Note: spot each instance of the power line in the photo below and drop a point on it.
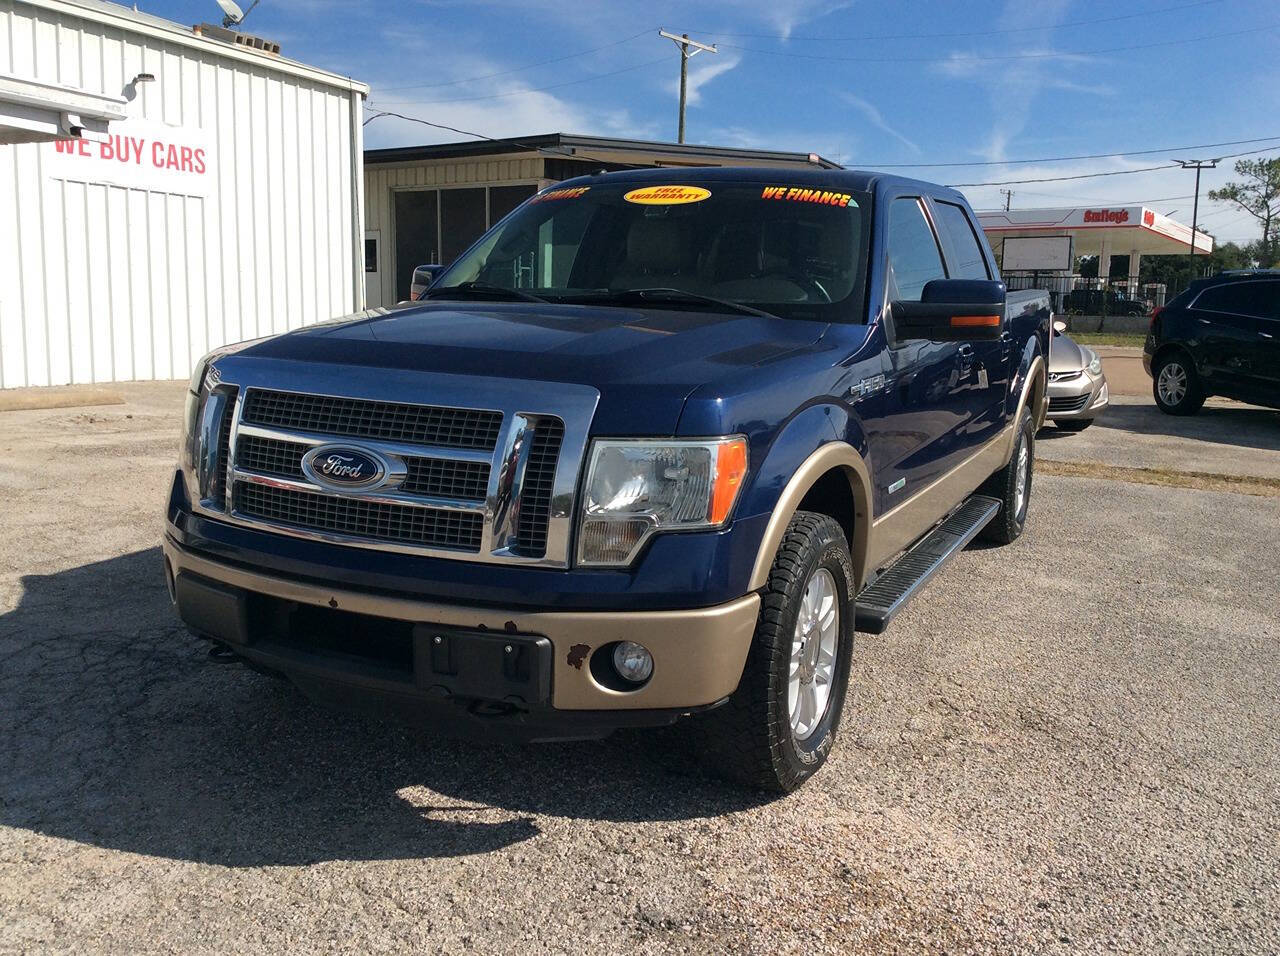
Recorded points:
(537, 89)
(1063, 159)
(517, 69)
(1113, 172)
(1000, 57)
(961, 36)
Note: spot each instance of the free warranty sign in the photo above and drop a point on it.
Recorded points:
(667, 195)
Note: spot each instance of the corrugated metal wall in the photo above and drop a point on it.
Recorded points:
(380, 182)
(102, 282)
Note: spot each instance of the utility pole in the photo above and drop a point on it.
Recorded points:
(683, 42)
(1197, 165)
(1008, 198)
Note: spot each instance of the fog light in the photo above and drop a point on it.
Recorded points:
(632, 662)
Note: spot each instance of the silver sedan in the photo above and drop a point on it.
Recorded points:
(1077, 387)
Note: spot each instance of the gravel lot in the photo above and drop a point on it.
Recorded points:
(1069, 743)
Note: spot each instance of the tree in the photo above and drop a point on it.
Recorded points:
(1258, 195)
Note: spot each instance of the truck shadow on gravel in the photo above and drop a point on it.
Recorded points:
(117, 731)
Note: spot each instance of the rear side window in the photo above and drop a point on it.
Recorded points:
(914, 257)
(969, 262)
(1255, 299)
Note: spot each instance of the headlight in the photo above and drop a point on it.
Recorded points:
(636, 488)
(1095, 362)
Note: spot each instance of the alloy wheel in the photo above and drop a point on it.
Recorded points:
(813, 654)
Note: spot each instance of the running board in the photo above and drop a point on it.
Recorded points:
(878, 603)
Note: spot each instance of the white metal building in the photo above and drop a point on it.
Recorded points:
(199, 193)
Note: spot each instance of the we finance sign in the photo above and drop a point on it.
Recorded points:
(137, 155)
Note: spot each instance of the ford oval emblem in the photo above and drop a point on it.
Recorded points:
(344, 467)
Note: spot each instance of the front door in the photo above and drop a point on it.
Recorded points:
(915, 442)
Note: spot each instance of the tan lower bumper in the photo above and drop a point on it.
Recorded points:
(698, 655)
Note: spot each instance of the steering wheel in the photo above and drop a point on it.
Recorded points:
(808, 283)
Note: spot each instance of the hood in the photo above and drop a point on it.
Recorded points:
(1065, 355)
(642, 361)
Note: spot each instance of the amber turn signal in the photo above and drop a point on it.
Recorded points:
(731, 469)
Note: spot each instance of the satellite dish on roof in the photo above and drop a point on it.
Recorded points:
(234, 16)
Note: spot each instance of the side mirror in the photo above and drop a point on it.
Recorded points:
(423, 278)
(1059, 327)
(953, 310)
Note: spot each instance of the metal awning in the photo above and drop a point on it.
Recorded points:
(1118, 230)
(36, 112)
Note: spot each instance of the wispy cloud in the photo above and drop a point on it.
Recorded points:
(703, 69)
(874, 116)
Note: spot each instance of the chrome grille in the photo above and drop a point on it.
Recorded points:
(437, 477)
(375, 520)
(359, 418)
(218, 484)
(539, 478)
(491, 484)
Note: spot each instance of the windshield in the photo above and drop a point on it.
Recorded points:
(795, 252)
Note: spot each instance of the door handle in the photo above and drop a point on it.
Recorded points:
(1266, 335)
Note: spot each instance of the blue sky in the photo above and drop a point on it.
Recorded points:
(866, 84)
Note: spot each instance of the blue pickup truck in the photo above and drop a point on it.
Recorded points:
(654, 448)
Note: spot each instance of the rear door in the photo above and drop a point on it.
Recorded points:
(1230, 319)
(916, 440)
(983, 366)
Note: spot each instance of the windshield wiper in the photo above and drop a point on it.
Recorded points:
(672, 295)
(481, 288)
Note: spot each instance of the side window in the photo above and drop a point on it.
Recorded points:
(1240, 298)
(954, 224)
(913, 250)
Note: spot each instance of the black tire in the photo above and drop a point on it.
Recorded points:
(1169, 399)
(749, 739)
(1006, 527)
(1074, 424)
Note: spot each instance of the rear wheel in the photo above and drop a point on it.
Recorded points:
(1176, 386)
(1012, 485)
(1074, 424)
(778, 727)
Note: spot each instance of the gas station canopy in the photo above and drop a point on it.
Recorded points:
(1114, 230)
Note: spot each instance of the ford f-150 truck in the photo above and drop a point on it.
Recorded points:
(654, 448)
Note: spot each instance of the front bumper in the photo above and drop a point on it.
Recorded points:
(1082, 397)
(698, 654)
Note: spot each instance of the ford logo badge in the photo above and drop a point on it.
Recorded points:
(344, 467)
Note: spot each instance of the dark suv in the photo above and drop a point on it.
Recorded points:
(1219, 337)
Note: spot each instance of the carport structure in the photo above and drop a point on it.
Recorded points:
(1099, 231)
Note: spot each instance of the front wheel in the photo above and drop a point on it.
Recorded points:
(1012, 485)
(779, 726)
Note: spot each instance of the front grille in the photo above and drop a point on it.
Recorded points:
(360, 418)
(404, 524)
(218, 482)
(270, 457)
(437, 477)
(1065, 376)
(1072, 404)
(539, 479)
(468, 480)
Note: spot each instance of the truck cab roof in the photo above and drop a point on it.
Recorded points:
(855, 180)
